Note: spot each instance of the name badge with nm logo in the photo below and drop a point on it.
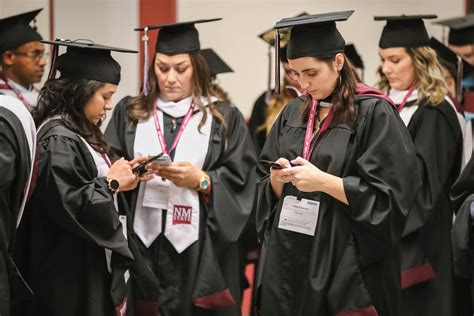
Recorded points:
(182, 214)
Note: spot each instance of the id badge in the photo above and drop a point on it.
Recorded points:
(299, 216)
(157, 193)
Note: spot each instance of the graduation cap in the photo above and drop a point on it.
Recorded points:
(173, 39)
(404, 31)
(16, 30)
(312, 35)
(461, 30)
(216, 64)
(86, 59)
(351, 53)
(457, 67)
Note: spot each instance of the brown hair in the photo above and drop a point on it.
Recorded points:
(344, 96)
(429, 77)
(141, 107)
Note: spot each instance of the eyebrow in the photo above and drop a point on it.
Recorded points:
(309, 69)
(178, 64)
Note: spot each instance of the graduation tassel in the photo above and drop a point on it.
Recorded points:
(54, 56)
(277, 62)
(268, 95)
(145, 61)
(459, 78)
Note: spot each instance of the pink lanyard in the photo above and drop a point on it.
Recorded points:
(310, 126)
(161, 137)
(8, 86)
(405, 99)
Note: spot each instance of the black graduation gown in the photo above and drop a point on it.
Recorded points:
(462, 196)
(15, 164)
(427, 269)
(351, 265)
(72, 219)
(199, 280)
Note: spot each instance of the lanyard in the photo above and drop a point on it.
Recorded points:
(405, 99)
(161, 137)
(18, 94)
(310, 126)
(107, 160)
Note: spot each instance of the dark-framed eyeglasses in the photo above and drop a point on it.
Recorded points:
(35, 55)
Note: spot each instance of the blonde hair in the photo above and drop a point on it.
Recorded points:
(430, 82)
(275, 107)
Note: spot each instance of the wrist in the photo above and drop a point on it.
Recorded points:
(204, 183)
(112, 185)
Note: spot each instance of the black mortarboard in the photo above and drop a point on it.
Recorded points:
(87, 60)
(314, 35)
(461, 30)
(16, 30)
(215, 63)
(177, 38)
(351, 53)
(404, 31)
(173, 39)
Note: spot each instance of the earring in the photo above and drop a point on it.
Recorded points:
(340, 79)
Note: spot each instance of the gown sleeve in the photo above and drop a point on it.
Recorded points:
(79, 202)
(384, 186)
(435, 164)
(232, 180)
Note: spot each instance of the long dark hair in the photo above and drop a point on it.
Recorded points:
(344, 96)
(141, 107)
(67, 98)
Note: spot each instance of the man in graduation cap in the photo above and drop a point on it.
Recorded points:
(23, 57)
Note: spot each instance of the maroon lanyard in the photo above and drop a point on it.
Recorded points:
(405, 99)
(106, 159)
(310, 126)
(8, 86)
(161, 137)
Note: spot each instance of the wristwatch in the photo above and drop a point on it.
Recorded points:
(113, 185)
(204, 183)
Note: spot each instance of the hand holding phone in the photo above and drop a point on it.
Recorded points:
(271, 164)
(141, 168)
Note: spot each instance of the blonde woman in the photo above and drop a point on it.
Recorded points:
(412, 77)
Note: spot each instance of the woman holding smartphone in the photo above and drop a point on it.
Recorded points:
(79, 255)
(331, 219)
(189, 218)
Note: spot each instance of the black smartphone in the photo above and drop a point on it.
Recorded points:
(141, 168)
(271, 164)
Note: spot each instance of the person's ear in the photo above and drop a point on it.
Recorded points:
(8, 58)
(339, 61)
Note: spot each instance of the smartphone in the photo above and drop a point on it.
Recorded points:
(271, 164)
(141, 168)
(163, 160)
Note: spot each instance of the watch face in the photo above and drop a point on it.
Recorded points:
(114, 184)
(204, 184)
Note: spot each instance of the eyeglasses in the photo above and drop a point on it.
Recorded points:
(35, 55)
